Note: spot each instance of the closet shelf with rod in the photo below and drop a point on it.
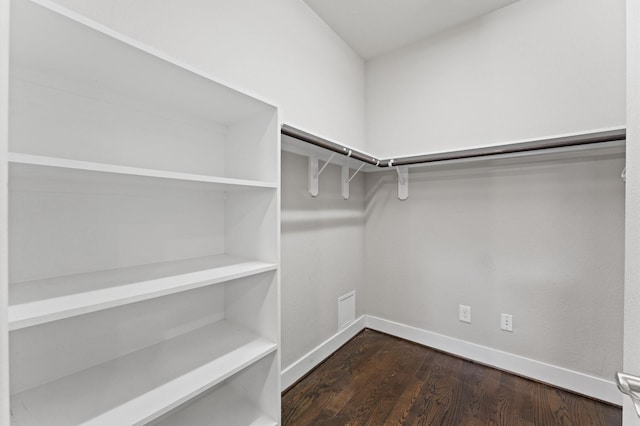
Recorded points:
(611, 138)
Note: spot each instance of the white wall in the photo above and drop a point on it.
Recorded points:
(534, 69)
(541, 240)
(322, 255)
(278, 49)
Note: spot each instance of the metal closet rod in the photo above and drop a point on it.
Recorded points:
(561, 142)
(331, 146)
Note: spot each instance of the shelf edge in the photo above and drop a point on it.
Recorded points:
(88, 166)
(20, 318)
(140, 415)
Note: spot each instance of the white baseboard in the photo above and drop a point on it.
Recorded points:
(585, 384)
(298, 369)
(575, 381)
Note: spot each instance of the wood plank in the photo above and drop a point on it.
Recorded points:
(377, 379)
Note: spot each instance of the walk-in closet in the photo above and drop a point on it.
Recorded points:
(303, 212)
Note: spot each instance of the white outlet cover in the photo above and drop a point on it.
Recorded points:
(506, 322)
(465, 313)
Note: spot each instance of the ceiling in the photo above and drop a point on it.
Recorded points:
(375, 27)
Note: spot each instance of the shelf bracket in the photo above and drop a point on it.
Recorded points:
(313, 176)
(403, 182)
(354, 175)
(345, 181)
(324, 166)
(624, 174)
(314, 173)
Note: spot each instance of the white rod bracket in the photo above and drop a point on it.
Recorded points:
(403, 182)
(345, 181)
(354, 175)
(314, 173)
(324, 166)
(624, 174)
(313, 176)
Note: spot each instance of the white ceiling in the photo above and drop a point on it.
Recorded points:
(375, 27)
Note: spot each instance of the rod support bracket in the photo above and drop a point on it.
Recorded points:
(345, 181)
(314, 173)
(403, 182)
(313, 176)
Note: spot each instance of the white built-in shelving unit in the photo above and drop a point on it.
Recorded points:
(143, 247)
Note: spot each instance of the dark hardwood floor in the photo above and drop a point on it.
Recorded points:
(377, 379)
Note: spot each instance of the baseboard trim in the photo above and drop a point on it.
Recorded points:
(591, 386)
(308, 362)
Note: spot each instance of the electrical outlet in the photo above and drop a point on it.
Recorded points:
(506, 322)
(465, 313)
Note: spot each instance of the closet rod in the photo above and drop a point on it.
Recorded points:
(331, 146)
(560, 142)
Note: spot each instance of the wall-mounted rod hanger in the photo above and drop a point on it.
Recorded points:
(400, 177)
(325, 164)
(401, 163)
(354, 175)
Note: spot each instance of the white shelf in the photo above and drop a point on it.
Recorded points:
(148, 160)
(143, 385)
(53, 168)
(41, 301)
(223, 407)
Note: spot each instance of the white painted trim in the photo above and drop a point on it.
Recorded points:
(594, 387)
(116, 169)
(298, 369)
(4, 279)
(575, 381)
